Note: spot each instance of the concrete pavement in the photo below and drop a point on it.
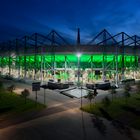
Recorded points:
(64, 121)
(67, 125)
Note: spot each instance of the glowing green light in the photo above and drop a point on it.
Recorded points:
(85, 60)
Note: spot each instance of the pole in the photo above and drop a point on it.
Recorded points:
(81, 98)
(135, 55)
(44, 97)
(35, 57)
(78, 75)
(2, 65)
(44, 70)
(123, 66)
(92, 67)
(41, 69)
(116, 65)
(53, 55)
(65, 68)
(25, 52)
(104, 55)
(18, 66)
(78, 71)
(36, 97)
(9, 58)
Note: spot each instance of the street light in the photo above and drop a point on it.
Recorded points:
(78, 83)
(78, 56)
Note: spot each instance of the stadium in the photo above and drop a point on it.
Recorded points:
(40, 57)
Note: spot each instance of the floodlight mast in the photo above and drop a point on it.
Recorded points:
(78, 66)
(78, 56)
(78, 74)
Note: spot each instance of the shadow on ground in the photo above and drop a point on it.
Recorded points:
(119, 126)
(98, 123)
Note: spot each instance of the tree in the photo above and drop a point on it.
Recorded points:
(95, 92)
(127, 89)
(25, 93)
(90, 96)
(113, 92)
(11, 88)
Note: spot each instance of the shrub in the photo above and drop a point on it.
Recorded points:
(25, 93)
(11, 88)
(90, 96)
(127, 90)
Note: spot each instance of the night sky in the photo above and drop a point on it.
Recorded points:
(23, 17)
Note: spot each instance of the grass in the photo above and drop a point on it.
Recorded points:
(13, 104)
(116, 110)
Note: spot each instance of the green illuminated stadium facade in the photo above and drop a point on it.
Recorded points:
(106, 59)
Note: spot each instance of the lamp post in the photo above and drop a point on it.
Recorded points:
(78, 82)
(78, 56)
